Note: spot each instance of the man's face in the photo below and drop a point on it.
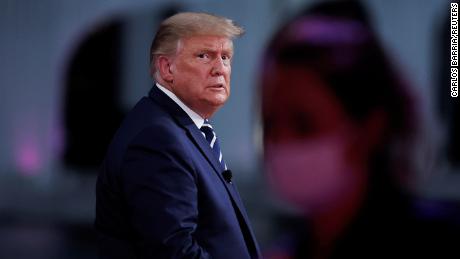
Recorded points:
(201, 72)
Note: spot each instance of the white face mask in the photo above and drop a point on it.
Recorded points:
(310, 174)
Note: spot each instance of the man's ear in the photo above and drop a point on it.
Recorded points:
(164, 68)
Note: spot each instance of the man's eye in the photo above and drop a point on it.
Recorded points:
(225, 57)
(202, 55)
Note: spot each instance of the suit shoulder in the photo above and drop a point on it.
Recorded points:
(158, 134)
(147, 117)
(147, 125)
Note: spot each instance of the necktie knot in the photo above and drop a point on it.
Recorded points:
(210, 135)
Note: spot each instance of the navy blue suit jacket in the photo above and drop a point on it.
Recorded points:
(161, 194)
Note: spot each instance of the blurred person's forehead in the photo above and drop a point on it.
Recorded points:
(298, 92)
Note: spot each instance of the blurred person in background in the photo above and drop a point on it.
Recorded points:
(339, 126)
(164, 190)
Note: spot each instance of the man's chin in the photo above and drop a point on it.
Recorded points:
(217, 100)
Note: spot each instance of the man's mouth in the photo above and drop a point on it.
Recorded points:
(217, 86)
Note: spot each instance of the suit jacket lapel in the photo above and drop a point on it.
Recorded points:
(203, 145)
(195, 134)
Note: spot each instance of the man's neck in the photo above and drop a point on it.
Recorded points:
(203, 113)
(196, 118)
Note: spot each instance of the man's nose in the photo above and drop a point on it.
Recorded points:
(218, 67)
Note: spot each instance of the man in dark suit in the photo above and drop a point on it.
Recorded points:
(164, 189)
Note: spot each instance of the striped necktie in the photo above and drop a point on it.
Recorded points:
(211, 137)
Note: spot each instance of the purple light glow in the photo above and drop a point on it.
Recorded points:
(323, 30)
(27, 155)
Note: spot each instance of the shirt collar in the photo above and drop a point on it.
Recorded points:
(197, 119)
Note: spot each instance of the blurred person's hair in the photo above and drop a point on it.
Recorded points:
(335, 41)
(186, 24)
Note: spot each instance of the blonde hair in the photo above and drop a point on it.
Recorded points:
(188, 24)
